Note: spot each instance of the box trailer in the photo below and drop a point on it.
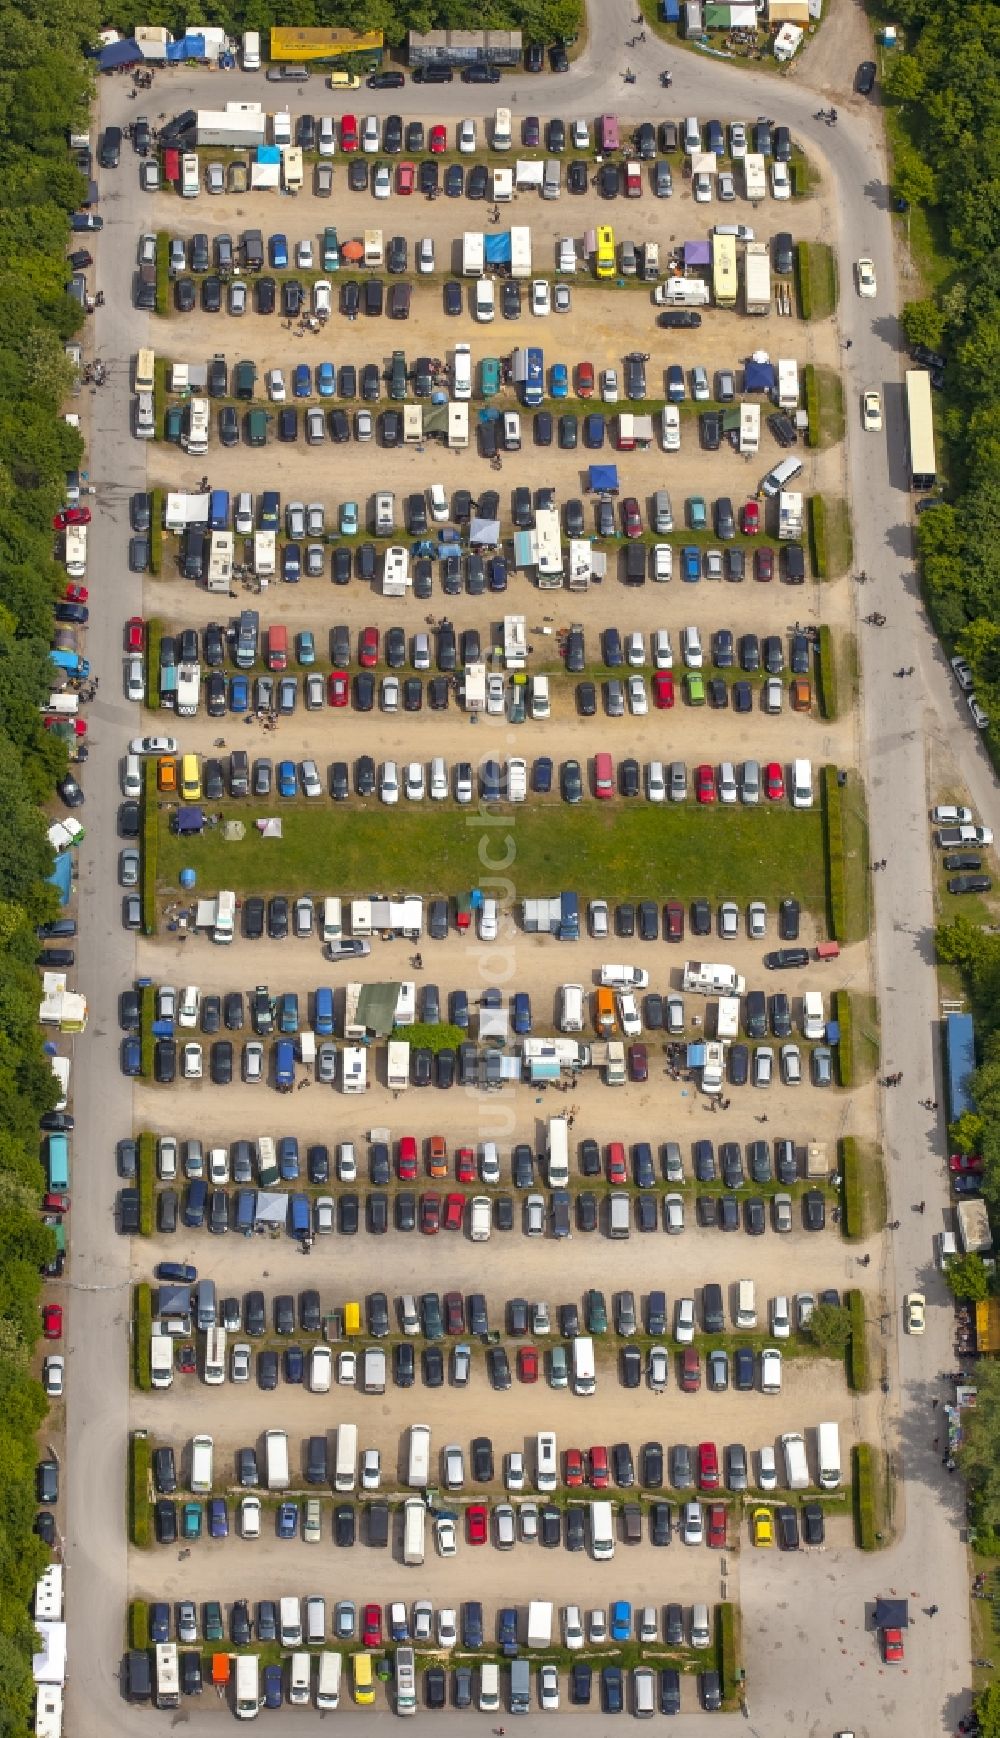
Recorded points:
(398, 1065)
(749, 436)
(76, 551)
(790, 511)
(503, 186)
(704, 979)
(474, 688)
(755, 176)
(264, 554)
(757, 278)
(238, 124)
(679, 292)
(188, 689)
(220, 561)
(547, 537)
(973, 1223)
(458, 425)
(168, 1694)
(788, 383)
(473, 253)
(520, 251)
(727, 1017)
(713, 1065)
(374, 256)
(354, 1075)
(196, 433)
(395, 571)
(413, 425)
(291, 168)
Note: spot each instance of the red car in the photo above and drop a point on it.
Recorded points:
(465, 1165)
(368, 648)
(407, 1159)
(708, 1467)
(52, 1321)
(892, 1646)
(371, 1626)
(751, 518)
(76, 593)
(454, 1212)
(527, 1364)
(663, 689)
(454, 1312)
(430, 1214)
(631, 517)
(438, 140)
(616, 1163)
(690, 1371)
(638, 1062)
(135, 634)
(477, 1523)
(337, 688)
(405, 177)
(763, 563)
(348, 132)
(71, 516)
(599, 1475)
(774, 781)
(573, 1469)
(187, 1362)
(674, 912)
(585, 380)
(55, 1203)
(965, 1162)
(717, 1526)
(704, 783)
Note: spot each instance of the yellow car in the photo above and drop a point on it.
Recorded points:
(344, 81)
(763, 1527)
(915, 1305)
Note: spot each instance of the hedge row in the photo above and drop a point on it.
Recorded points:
(863, 1488)
(140, 1455)
(162, 275)
(159, 392)
(147, 1180)
(142, 1330)
(147, 1014)
(154, 634)
(836, 868)
(804, 280)
(826, 675)
(150, 849)
(817, 536)
(156, 531)
(799, 176)
(852, 1221)
(812, 404)
(842, 1013)
(858, 1371)
(726, 1650)
(138, 1623)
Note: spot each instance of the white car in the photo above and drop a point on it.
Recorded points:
(598, 918)
(541, 1321)
(253, 1062)
(729, 920)
(215, 178)
(135, 680)
(684, 1321)
(663, 562)
(781, 1321)
(370, 133)
(371, 1469)
(597, 1626)
(304, 257)
(635, 649)
(782, 1212)
(327, 136)
(415, 781)
(389, 694)
(865, 271)
(628, 1015)
(467, 137)
(496, 695)
(162, 745)
(347, 1369)
(425, 254)
(767, 1469)
(53, 1375)
(541, 299)
(275, 386)
(572, 1627)
(756, 919)
(963, 674)
(322, 298)
(914, 1307)
(504, 1527)
(218, 1166)
(364, 425)
(438, 502)
(871, 412)
(692, 1524)
(609, 385)
(438, 780)
(239, 1368)
(514, 1470)
(943, 814)
(347, 1163)
(791, 1064)
(423, 1620)
(763, 1065)
(638, 699)
(250, 1518)
(191, 1062)
(562, 302)
(382, 181)
(320, 1370)
(323, 1212)
(737, 139)
(781, 181)
(388, 788)
(447, 1627)
(663, 654)
(656, 783)
(548, 1688)
(671, 429)
(674, 1014)
(770, 1370)
(454, 1467)
(658, 1368)
(673, 1214)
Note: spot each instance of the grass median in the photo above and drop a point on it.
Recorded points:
(600, 850)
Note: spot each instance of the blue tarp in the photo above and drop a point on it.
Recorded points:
(188, 48)
(960, 1058)
(62, 876)
(759, 377)
(604, 477)
(498, 248)
(269, 153)
(670, 12)
(125, 53)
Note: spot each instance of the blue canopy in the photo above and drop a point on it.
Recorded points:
(604, 478)
(758, 376)
(498, 248)
(189, 820)
(124, 53)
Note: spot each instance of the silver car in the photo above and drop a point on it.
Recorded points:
(678, 782)
(692, 1524)
(534, 1216)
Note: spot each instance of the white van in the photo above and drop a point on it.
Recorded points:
(813, 1018)
(215, 1356)
(333, 921)
(746, 1304)
(571, 1007)
(552, 178)
(643, 1692)
(489, 1687)
(584, 1368)
(517, 780)
(619, 1215)
(802, 784)
(602, 1531)
(546, 1461)
(276, 1459)
(462, 370)
(247, 1688)
(779, 478)
(828, 1455)
(328, 1681)
(202, 1456)
(290, 1621)
(132, 777)
(418, 1466)
(484, 300)
(298, 1676)
(692, 133)
(540, 705)
(190, 175)
(701, 1631)
(557, 1152)
(225, 917)
(315, 1620)
(346, 1471)
(480, 1219)
(251, 51)
(414, 1525)
(406, 1682)
(502, 130)
(373, 1370)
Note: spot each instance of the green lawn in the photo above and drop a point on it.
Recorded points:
(614, 852)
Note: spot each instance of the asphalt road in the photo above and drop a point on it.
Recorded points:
(812, 1665)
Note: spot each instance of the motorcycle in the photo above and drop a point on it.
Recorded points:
(666, 79)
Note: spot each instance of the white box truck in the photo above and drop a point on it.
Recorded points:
(584, 1367)
(602, 1531)
(188, 689)
(398, 1064)
(520, 251)
(757, 277)
(346, 1470)
(540, 1623)
(328, 1680)
(161, 1357)
(419, 1458)
(828, 1456)
(473, 253)
(796, 1464)
(202, 1457)
(247, 1689)
(414, 1528)
(788, 383)
(168, 1690)
(276, 1459)
(557, 1152)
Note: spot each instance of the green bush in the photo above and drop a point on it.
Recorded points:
(154, 634)
(434, 1038)
(150, 850)
(859, 1374)
(803, 280)
(139, 1504)
(817, 536)
(147, 1014)
(156, 532)
(863, 1487)
(812, 405)
(841, 1007)
(852, 1199)
(142, 1329)
(159, 394)
(138, 1623)
(726, 1649)
(147, 1180)
(836, 868)
(826, 675)
(162, 273)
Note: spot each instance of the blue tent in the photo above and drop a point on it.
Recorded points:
(269, 153)
(115, 54)
(758, 376)
(189, 820)
(188, 48)
(604, 479)
(498, 248)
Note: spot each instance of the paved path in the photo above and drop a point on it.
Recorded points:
(812, 1667)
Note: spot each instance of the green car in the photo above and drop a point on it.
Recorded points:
(596, 1311)
(191, 1520)
(697, 512)
(694, 687)
(173, 426)
(213, 1621)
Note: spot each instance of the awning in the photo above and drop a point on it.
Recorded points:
(189, 821)
(116, 54)
(892, 1614)
(376, 1010)
(697, 253)
(188, 48)
(484, 531)
(498, 248)
(272, 1209)
(604, 478)
(758, 376)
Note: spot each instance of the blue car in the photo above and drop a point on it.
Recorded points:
(291, 563)
(507, 1624)
(593, 430)
(239, 693)
(218, 1518)
(131, 1056)
(302, 381)
(278, 248)
(288, 1012)
(271, 1678)
(159, 1622)
(294, 1360)
(286, 1522)
(697, 512)
(348, 518)
(472, 1624)
(541, 775)
(497, 574)
(621, 1620)
(559, 380)
(288, 1158)
(399, 1629)
(287, 781)
(690, 563)
(612, 1698)
(305, 647)
(522, 1012)
(326, 379)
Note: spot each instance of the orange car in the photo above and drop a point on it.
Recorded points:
(166, 773)
(800, 694)
(437, 1156)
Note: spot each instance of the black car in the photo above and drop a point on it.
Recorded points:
(577, 176)
(813, 1524)
(165, 1518)
(222, 1062)
(788, 920)
(277, 917)
(652, 1466)
(814, 1210)
(786, 958)
(344, 1525)
(253, 917)
(680, 319)
(482, 1460)
(701, 917)
(864, 81)
(184, 295)
(435, 1686)
(788, 1527)
(631, 1377)
(291, 298)
(670, 1690)
(266, 295)
(189, 1671)
(784, 252)
(549, 1529)
(569, 432)
(580, 1683)
(429, 175)
(454, 181)
(477, 185)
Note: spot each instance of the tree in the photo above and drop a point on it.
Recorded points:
(988, 1711)
(923, 323)
(830, 1329)
(979, 1454)
(967, 1277)
(965, 1134)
